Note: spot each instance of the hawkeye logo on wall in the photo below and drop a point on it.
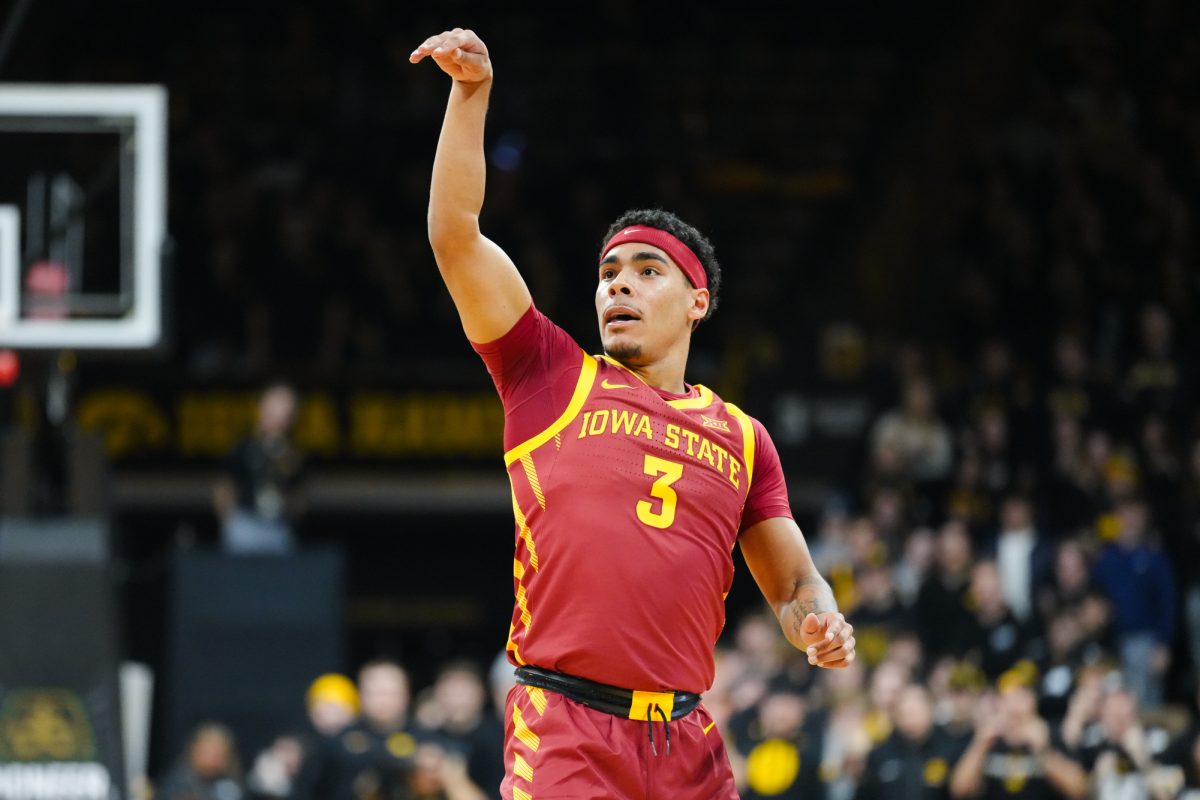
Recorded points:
(47, 748)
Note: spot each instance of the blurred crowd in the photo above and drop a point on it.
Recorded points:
(365, 738)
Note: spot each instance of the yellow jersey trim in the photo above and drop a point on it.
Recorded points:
(526, 533)
(703, 400)
(619, 365)
(587, 376)
(532, 476)
(747, 441)
(513, 645)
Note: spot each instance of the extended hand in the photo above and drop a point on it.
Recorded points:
(988, 728)
(828, 639)
(461, 54)
(1036, 734)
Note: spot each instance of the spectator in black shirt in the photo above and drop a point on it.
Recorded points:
(209, 769)
(963, 691)
(1184, 749)
(914, 762)
(1154, 381)
(878, 617)
(943, 620)
(997, 638)
(257, 499)
(1124, 761)
(1072, 391)
(456, 714)
(780, 745)
(373, 752)
(1013, 754)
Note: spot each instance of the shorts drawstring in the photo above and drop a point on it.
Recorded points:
(650, 728)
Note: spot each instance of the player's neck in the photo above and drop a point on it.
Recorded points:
(667, 372)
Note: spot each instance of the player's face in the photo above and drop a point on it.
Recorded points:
(644, 303)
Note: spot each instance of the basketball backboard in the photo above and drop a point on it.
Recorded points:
(47, 248)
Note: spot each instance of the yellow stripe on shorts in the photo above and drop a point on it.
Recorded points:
(538, 698)
(522, 769)
(527, 737)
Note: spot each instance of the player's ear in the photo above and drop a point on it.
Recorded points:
(699, 307)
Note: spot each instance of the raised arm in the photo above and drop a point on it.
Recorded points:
(487, 290)
(966, 779)
(778, 558)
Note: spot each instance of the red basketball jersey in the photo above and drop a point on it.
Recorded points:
(628, 501)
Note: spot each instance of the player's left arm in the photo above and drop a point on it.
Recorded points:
(779, 560)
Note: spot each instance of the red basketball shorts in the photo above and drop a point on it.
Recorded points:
(557, 749)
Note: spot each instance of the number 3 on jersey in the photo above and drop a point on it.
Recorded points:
(667, 472)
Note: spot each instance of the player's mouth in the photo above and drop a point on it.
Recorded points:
(618, 318)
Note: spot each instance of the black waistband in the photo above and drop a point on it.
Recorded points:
(600, 696)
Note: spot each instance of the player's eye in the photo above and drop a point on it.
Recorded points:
(607, 275)
(649, 271)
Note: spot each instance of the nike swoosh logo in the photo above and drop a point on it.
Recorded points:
(604, 384)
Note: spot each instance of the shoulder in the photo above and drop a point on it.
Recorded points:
(744, 417)
(532, 328)
(764, 444)
(758, 441)
(760, 428)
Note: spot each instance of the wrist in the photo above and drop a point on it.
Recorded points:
(984, 738)
(471, 87)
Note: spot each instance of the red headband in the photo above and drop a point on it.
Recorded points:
(679, 252)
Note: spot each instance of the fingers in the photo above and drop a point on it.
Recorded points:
(837, 629)
(451, 46)
(843, 651)
(437, 45)
(466, 57)
(841, 663)
(825, 630)
(836, 645)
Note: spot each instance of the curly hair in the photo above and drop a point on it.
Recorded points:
(696, 241)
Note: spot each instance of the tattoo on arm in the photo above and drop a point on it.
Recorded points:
(810, 595)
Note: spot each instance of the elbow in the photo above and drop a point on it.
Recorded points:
(1073, 788)
(1075, 783)
(961, 786)
(448, 232)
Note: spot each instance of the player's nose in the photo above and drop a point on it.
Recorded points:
(620, 285)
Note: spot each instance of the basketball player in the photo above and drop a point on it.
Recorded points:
(630, 490)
